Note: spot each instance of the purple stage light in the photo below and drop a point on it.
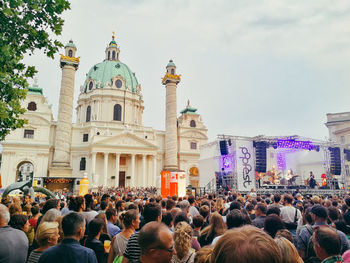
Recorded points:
(293, 144)
(226, 162)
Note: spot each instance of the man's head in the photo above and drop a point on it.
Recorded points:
(73, 225)
(111, 215)
(191, 199)
(152, 212)
(4, 215)
(326, 242)
(287, 199)
(246, 244)
(184, 206)
(319, 213)
(260, 209)
(156, 243)
(277, 198)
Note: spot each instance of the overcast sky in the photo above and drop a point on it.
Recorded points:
(250, 67)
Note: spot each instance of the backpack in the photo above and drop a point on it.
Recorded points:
(310, 255)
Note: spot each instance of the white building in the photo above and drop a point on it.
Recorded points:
(108, 140)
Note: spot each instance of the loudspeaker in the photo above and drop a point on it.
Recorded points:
(260, 156)
(335, 160)
(223, 148)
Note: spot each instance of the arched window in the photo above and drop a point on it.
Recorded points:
(31, 106)
(113, 55)
(88, 113)
(83, 164)
(192, 123)
(117, 112)
(91, 84)
(172, 71)
(70, 53)
(109, 55)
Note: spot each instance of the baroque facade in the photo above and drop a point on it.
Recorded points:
(108, 141)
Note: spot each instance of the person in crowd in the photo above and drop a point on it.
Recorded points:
(272, 224)
(35, 215)
(152, 212)
(89, 214)
(250, 210)
(130, 222)
(180, 217)
(319, 214)
(46, 236)
(260, 215)
(216, 228)
(51, 216)
(20, 222)
(204, 211)
(70, 250)
(183, 241)
(246, 244)
(346, 215)
(93, 240)
(170, 204)
(197, 222)
(289, 214)
(112, 218)
(306, 221)
(327, 245)
(343, 227)
(104, 235)
(272, 209)
(167, 219)
(156, 243)
(276, 200)
(14, 243)
(193, 209)
(103, 207)
(288, 251)
(203, 255)
(15, 209)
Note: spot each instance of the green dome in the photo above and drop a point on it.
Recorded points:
(105, 71)
(171, 63)
(70, 44)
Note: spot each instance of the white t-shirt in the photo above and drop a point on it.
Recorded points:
(288, 214)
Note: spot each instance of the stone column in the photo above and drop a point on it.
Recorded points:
(63, 138)
(117, 161)
(144, 170)
(132, 181)
(171, 128)
(105, 170)
(93, 167)
(155, 175)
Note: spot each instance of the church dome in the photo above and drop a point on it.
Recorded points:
(103, 74)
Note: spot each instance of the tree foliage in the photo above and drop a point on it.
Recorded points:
(25, 25)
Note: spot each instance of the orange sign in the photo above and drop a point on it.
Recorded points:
(165, 183)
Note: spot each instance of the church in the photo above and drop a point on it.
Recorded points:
(108, 141)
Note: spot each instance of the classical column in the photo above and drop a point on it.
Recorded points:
(93, 167)
(155, 175)
(170, 80)
(117, 160)
(105, 169)
(144, 170)
(132, 181)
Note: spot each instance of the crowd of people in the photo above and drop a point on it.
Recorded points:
(140, 226)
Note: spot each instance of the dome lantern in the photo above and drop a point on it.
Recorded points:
(112, 51)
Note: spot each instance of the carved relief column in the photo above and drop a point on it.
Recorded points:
(144, 170)
(117, 161)
(105, 169)
(132, 181)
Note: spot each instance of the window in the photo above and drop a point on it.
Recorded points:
(70, 53)
(193, 145)
(113, 55)
(192, 123)
(91, 85)
(88, 113)
(117, 112)
(85, 137)
(109, 55)
(82, 164)
(29, 134)
(31, 106)
(118, 83)
(172, 71)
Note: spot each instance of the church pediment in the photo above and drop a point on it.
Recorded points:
(126, 140)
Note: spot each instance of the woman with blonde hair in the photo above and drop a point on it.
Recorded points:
(220, 206)
(46, 236)
(203, 255)
(216, 228)
(288, 251)
(183, 241)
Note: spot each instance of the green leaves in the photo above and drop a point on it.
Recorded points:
(26, 25)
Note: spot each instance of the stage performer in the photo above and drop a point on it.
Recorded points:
(258, 178)
(324, 180)
(312, 181)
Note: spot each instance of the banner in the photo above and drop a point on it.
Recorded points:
(245, 165)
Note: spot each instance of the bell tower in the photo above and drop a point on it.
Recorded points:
(170, 80)
(61, 159)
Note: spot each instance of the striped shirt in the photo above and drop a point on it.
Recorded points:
(34, 256)
(133, 250)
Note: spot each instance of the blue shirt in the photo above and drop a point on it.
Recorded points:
(68, 251)
(112, 229)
